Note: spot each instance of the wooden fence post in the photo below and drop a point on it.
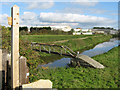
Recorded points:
(0, 57)
(0, 69)
(15, 47)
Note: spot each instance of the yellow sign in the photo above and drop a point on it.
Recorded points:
(10, 20)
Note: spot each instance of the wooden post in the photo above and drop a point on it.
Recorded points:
(0, 69)
(0, 57)
(15, 47)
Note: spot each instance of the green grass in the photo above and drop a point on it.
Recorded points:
(81, 77)
(51, 38)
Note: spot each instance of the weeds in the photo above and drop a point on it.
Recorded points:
(84, 77)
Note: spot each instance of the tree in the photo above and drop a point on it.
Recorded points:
(23, 28)
(71, 31)
(102, 28)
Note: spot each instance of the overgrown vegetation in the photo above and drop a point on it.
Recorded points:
(6, 38)
(81, 77)
(67, 77)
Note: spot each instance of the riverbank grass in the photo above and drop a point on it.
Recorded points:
(81, 77)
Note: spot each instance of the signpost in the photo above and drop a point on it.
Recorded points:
(15, 46)
(0, 57)
(0, 68)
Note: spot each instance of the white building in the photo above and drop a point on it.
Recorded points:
(79, 31)
(113, 31)
(86, 31)
(62, 28)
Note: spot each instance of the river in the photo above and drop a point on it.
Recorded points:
(97, 50)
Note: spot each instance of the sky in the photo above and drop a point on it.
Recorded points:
(74, 13)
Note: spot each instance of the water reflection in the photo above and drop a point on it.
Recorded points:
(58, 63)
(102, 48)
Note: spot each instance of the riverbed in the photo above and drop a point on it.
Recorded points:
(97, 50)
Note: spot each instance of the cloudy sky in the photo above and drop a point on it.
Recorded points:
(75, 13)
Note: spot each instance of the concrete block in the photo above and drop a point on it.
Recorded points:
(90, 61)
(38, 84)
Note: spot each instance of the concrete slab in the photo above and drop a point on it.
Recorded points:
(38, 84)
(90, 61)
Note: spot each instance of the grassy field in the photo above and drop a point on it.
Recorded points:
(50, 38)
(81, 77)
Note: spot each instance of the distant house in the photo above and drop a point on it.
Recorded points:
(77, 31)
(104, 31)
(80, 31)
(98, 32)
(113, 31)
(62, 28)
(86, 31)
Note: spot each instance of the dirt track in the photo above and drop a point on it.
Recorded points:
(62, 41)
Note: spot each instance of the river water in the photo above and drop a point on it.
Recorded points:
(98, 49)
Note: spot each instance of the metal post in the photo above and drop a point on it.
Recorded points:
(31, 45)
(49, 49)
(15, 47)
(40, 48)
(53, 49)
(61, 52)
